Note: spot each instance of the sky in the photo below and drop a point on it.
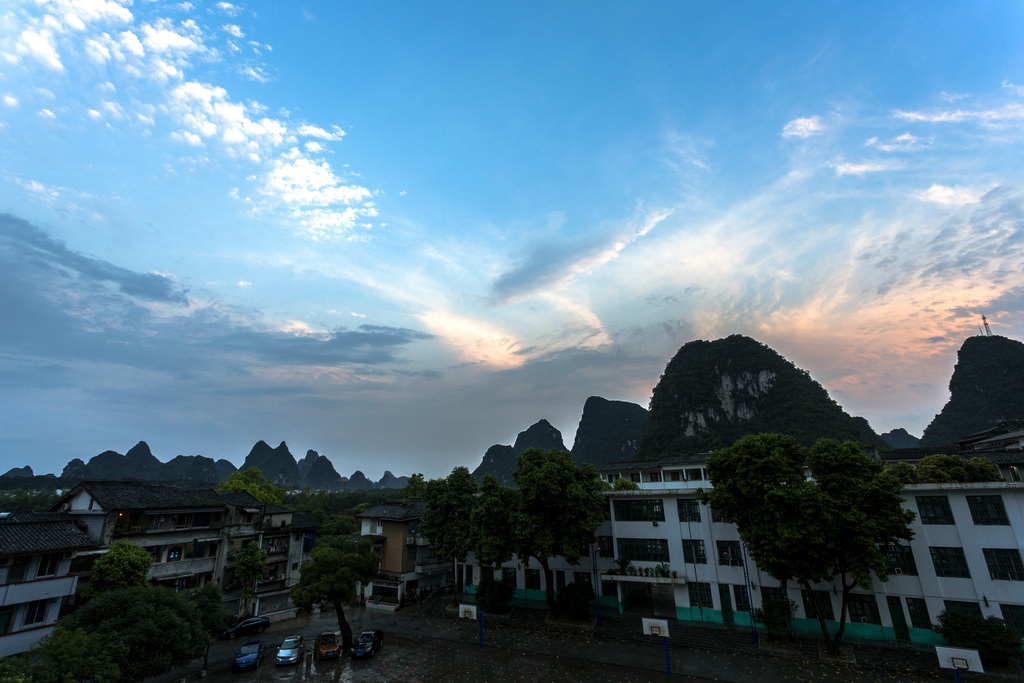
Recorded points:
(397, 233)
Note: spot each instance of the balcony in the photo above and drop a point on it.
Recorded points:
(39, 589)
(170, 570)
(432, 565)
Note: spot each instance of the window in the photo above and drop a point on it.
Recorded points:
(644, 549)
(1004, 564)
(773, 594)
(1013, 615)
(824, 603)
(201, 519)
(934, 510)
(742, 598)
(700, 594)
(729, 553)
(6, 619)
(988, 510)
(694, 474)
(36, 612)
(639, 510)
(918, 609)
(509, 574)
(972, 609)
(693, 551)
(689, 510)
(901, 560)
(863, 609)
(18, 569)
(950, 562)
(654, 476)
(48, 564)
(533, 579)
(559, 580)
(715, 517)
(609, 588)
(174, 553)
(581, 578)
(410, 553)
(604, 547)
(183, 520)
(635, 478)
(674, 475)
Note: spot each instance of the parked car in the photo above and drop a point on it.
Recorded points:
(246, 627)
(367, 643)
(249, 656)
(291, 650)
(327, 646)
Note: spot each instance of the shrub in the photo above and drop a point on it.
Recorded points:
(574, 601)
(493, 595)
(996, 642)
(777, 617)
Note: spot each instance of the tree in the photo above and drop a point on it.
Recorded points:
(448, 519)
(554, 510)
(252, 480)
(124, 565)
(214, 617)
(833, 525)
(990, 636)
(416, 489)
(625, 485)
(123, 635)
(940, 468)
(331, 574)
(250, 567)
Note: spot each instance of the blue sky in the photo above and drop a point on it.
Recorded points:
(398, 233)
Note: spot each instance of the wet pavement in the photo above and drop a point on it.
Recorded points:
(423, 647)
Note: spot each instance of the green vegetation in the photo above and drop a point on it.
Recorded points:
(332, 573)
(996, 642)
(124, 565)
(575, 600)
(416, 489)
(448, 520)
(774, 394)
(122, 635)
(948, 469)
(493, 596)
(833, 525)
(252, 480)
(553, 511)
(250, 567)
(984, 388)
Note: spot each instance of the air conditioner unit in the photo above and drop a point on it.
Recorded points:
(898, 571)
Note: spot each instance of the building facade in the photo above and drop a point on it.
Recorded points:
(36, 576)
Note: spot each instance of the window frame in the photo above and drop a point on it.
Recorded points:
(1004, 564)
(935, 510)
(701, 590)
(694, 551)
(988, 510)
(950, 562)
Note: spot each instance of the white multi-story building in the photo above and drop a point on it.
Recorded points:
(36, 577)
(686, 563)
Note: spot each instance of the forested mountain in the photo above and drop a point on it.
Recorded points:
(714, 392)
(985, 389)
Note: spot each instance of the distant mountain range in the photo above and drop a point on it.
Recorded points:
(277, 464)
(711, 393)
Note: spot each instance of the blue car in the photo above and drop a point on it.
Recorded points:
(249, 656)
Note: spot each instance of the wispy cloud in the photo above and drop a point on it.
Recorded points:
(805, 127)
(951, 196)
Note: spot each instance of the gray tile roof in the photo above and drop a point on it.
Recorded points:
(32, 533)
(397, 512)
(128, 495)
(672, 461)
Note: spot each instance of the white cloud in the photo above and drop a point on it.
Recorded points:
(901, 143)
(862, 168)
(1008, 112)
(47, 114)
(11, 101)
(335, 133)
(40, 45)
(244, 283)
(163, 36)
(803, 127)
(953, 196)
(233, 30)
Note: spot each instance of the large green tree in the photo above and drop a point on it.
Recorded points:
(553, 511)
(812, 516)
(332, 573)
(252, 480)
(123, 635)
(940, 468)
(250, 567)
(214, 617)
(448, 520)
(124, 565)
(416, 489)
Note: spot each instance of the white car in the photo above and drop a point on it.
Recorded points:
(291, 650)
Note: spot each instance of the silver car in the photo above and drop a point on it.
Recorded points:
(291, 650)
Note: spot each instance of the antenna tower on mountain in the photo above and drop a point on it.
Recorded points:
(988, 330)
